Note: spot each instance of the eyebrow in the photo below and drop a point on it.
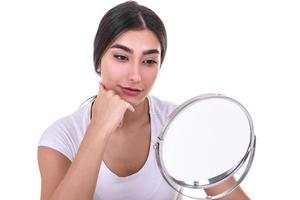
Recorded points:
(150, 51)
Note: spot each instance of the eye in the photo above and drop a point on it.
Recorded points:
(150, 62)
(120, 57)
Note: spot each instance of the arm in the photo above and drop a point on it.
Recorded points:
(63, 179)
(237, 194)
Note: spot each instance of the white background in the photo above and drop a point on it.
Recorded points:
(248, 50)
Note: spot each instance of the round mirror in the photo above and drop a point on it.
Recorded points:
(205, 141)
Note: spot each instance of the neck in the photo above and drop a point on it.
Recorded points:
(139, 116)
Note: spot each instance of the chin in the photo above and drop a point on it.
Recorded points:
(134, 101)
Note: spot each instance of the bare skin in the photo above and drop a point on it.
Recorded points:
(124, 114)
(237, 194)
(62, 179)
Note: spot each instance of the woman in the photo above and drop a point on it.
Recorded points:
(104, 149)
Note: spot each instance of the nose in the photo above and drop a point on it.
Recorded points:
(134, 74)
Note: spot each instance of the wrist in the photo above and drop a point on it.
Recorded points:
(99, 131)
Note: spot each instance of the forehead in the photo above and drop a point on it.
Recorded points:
(138, 40)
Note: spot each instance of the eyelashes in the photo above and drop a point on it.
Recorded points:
(150, 62)
(122, 58)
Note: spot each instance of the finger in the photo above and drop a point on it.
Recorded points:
(129, 107)
(102, 86)
(121, 124)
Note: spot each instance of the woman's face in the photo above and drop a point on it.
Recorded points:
(131, 64)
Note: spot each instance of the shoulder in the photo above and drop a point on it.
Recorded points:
(72, 121)
(161, 108)
(66, 133)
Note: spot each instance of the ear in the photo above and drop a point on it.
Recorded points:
(98, 69)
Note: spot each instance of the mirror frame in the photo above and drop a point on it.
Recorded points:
(179, 185)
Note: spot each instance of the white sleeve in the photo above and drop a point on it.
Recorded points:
(58, 136)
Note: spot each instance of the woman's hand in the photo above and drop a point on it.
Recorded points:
(108, 110)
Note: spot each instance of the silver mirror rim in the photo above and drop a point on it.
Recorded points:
(202, 184)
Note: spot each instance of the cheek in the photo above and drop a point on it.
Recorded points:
(150, 76)
(110, 72)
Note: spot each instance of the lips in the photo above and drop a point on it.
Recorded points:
(130, 91)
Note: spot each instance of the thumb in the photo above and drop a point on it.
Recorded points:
(129, 107)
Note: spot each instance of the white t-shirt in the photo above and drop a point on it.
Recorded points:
(65, 135)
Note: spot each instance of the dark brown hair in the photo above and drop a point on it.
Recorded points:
(123, 17)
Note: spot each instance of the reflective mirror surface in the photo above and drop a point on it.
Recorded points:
(205, 141)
